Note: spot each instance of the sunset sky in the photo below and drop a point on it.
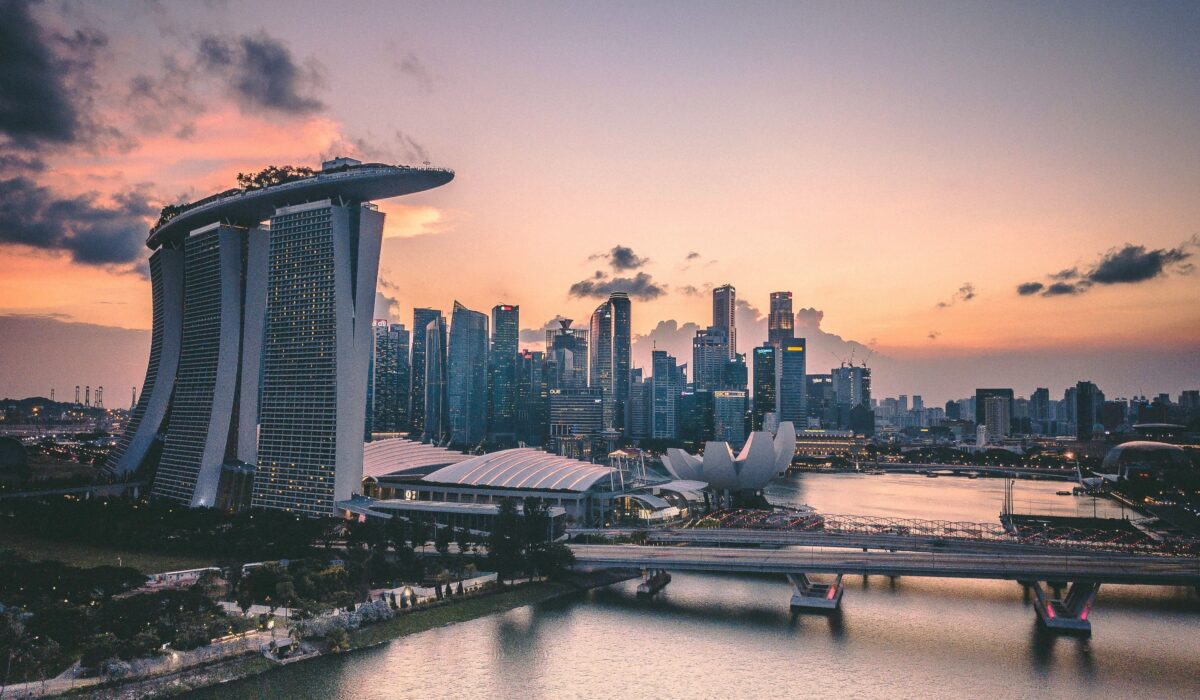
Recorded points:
(982, 194)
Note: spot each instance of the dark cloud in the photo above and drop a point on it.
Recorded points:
(621, 258)
(93, 234)
(1134, 263)
(933, 335)
(1064, 288)
(692, 255)
(641, 286)
(12, 161)
(1128, 264)
(261, 73)
(45, 79)
(165, 100)
(965, 293)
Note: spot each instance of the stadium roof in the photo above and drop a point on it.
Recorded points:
(523, 468)
(398, 456)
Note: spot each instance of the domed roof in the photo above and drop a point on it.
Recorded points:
(1145, 453)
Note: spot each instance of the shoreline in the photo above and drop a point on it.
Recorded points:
(366, 637)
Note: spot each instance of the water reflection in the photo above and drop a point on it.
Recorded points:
(719, 635)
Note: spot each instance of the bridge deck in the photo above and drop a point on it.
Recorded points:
(1090, 567)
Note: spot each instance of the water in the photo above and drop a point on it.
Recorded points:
(709, 636)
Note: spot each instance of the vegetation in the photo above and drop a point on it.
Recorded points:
(273, 175)
(54, 613)
(522, 542)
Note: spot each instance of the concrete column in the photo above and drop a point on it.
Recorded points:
(810, 595)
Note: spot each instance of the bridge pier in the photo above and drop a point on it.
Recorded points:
(1069, 614)
(653, 581)
(810, 595)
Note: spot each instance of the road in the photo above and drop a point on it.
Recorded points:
(1075, 567)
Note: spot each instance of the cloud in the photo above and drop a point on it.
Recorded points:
(92, 233)
(386, 307)
(933, 335)
(260, 72)
(692, 290)
(809, 318)
(692, 255)
(165, 101)
(538, 335)
(641, 286)
(411, 66)
(621, 258)
(965, 293)
(1129, 264)
(45, 78)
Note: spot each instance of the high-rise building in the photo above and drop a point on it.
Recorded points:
(852, 385)
(765, 383)
(622, 350)
(504, 364)
(262, 341)
(567, 347)
(664, 393)
(1039, 411)
(780, 319)
(388, 392)
(710, 354)
(575, 413)
(437, 419)
(416, 393)
(735, 376)
(533, 392)
(729, 416)
(724, 314)
(792, 370)
(601, 361)
(466, 376)
(638, 425)
(981, 396)
(818, 394)
(996, 418)
(1088, 397)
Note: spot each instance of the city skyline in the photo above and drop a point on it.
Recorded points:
(960, 235)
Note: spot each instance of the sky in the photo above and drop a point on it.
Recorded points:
(963, 194)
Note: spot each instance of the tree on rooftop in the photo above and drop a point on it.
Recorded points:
(273, 175)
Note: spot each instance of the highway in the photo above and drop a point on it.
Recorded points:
(1073, 566)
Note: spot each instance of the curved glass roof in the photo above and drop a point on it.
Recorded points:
(523, 468)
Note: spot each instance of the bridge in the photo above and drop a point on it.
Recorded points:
(1084, 571)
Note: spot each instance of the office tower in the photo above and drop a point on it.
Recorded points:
(601, 361)
(902, 403)
(792, 370)
(981, 396)
(918, 404)
(729, 416)
(724, 311)
(576, 413)
(764, 383)
(710, 354)
(416, 392)
(567, 347)
(533, 392)
(818, 394)
(694, 416)
(735, 375)
(437, 420)
(390, 374)
(638, 426)
(664, 392)
(953, 410)
(1039, 411)
(504, 364)
(852, 385)
(466, 376)
(622, 350)
(996, 416)
(1087, 396)
(780, 319)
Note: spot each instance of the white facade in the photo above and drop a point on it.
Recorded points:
(763, 458)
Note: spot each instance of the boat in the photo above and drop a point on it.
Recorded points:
(931, 475)
(1062, 493)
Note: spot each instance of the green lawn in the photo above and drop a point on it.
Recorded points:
(88, 556)
(411, 623)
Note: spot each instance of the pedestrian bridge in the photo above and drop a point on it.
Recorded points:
(1085, 571)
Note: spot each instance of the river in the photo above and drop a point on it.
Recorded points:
(715, 636)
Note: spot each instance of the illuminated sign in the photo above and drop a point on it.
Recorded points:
(795, 348)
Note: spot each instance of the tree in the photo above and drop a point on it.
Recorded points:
(338, 640)
(273, 175)
(441, 541)
(504, 542)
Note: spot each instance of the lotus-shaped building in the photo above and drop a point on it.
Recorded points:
(763, 458)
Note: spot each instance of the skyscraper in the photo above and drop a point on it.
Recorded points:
(416, 393)
(710, 354)
(764, 383)
(390, 378)
(638, 425)
(792, 370)
(1039, 411)
(996, 416)
(664, 393)
(724, 312)
(437, 421)
(729, 416)
(600, 363)
(981, 395)
(262, 340)
(1087, 397)
(504, 361)
(622, 350)
(780, 320)
(567, 347)
(466, 376)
